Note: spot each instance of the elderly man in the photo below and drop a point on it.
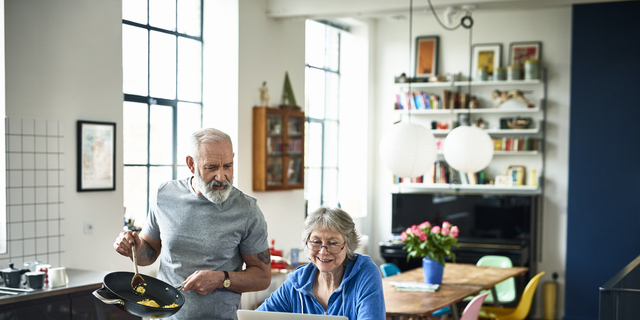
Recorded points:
(203, 229)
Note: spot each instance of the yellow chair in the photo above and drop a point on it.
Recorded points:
(519, 312)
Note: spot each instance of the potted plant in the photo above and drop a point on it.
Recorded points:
(432, 244)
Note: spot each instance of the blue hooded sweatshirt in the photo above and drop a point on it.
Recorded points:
(359, 296)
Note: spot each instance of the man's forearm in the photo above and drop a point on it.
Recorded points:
(146, 255)
(250, 279)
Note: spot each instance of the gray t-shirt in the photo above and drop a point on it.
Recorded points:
(197, 234)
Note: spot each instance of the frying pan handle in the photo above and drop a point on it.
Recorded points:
(105, 300)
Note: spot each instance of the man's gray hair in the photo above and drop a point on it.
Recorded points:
(206, 135)
(336, 220)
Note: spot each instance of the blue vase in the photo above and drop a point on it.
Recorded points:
(432, 271)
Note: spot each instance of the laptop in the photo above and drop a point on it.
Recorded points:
(268, 315)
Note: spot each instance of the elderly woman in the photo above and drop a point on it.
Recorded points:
(338, 281)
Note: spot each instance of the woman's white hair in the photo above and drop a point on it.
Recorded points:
(206, 135)
(333, 219)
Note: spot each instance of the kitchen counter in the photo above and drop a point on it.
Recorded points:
(79, 280)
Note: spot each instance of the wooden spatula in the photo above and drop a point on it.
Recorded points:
(137, 283)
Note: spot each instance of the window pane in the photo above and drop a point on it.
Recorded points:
(189, 17)
(135, 194)
(330, 187)
(161, 137)
(314, 49)
(183, 171)
(314, 93)
(135, 10)
(163, 65)
(333, 49)
(330, 144)
(332, 95)
(134, 60)
(313, 145)
(134, 133)
(158, 175)
(189, 70)
(313, 184)
(162, 14)
(189, 120)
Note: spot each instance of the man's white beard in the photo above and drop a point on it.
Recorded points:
(208, 190)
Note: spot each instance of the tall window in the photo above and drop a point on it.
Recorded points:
(162, 68)
(322, 92)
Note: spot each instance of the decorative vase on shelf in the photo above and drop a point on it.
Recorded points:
(432, 271)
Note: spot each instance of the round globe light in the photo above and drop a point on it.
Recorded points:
(408, 150)
(468, 149)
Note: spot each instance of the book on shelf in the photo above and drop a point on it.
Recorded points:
(515, 144)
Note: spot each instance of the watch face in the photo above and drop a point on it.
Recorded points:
(226, 283)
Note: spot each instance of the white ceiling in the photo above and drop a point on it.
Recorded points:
(322, 9)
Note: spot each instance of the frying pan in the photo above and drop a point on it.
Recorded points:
(116, 290)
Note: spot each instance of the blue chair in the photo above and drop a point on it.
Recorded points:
(389, 269)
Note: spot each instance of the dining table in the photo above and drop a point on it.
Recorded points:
(459, 280)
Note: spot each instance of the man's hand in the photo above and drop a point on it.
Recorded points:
(147, 249)
(204, 281)
(123, 243)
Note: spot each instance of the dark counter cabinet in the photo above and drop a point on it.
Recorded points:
(72, 302)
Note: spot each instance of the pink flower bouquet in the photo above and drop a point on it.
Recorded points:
(434, 242)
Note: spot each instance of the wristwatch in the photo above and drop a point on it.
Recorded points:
(227, 282)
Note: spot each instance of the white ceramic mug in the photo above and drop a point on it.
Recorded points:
(58, 277)
(44, 268)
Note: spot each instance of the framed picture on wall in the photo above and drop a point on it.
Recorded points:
(426, 56)
(487, 55)
(96, 156)
(519, 52)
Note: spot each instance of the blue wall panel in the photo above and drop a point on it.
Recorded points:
(604, 151)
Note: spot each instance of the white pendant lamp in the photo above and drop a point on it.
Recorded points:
(468, 149)
(408, 150)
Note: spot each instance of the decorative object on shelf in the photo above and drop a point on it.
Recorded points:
(533, 179)
(402, 78)
(481, 123)
(438, 79)
(264, 94)
(468, 149)
(500, 74)
(517, 174)
(288, 99)
(96, 156)
(408, 150)
(433, 244)
(514, 72)
(519, 52)
(532, 69)
(426, 56)
(505, 96)
(516, 123)
(503, 181)
(474, 103)
(487, 55)
(482, 74)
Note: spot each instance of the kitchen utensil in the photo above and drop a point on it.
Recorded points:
(35, 280)
(137, 283)
(32, 265)
(116, 290)
(12, 277)
(58, 277)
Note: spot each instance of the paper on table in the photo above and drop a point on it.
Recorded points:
(414, 286)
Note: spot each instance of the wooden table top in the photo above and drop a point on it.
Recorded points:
(459, 281)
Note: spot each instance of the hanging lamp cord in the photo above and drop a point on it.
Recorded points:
(410, 94)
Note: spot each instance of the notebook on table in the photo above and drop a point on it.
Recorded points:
(268, 315)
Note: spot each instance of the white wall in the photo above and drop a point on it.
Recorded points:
(64, 62)
(268, 48)
(550, 26)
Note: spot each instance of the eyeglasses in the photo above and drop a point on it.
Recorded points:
(331, 248)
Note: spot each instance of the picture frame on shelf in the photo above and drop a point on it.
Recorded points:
(503, 181)
(519, 52)
(487, 55)
(96, 143)
(426, 59)
(517, 174)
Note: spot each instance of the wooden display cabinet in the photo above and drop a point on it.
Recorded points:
(278, 149)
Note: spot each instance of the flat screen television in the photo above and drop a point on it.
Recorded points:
(480, 218)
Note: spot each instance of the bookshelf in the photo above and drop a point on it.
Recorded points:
(446, 118)
(278, 149)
